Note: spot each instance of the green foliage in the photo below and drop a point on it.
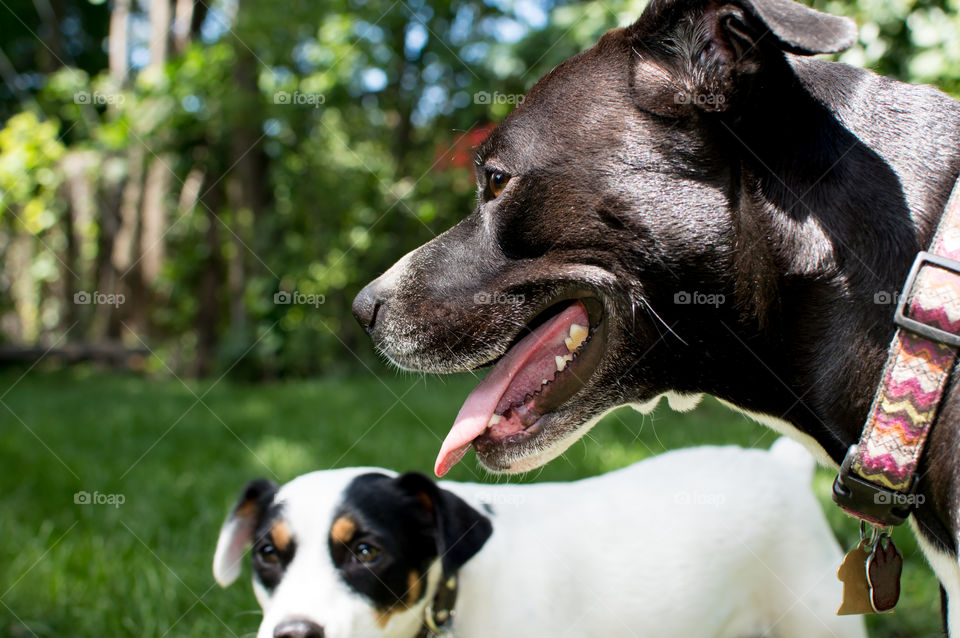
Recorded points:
(912, 40)
(333, 123)
(29, 150)
(323, 136)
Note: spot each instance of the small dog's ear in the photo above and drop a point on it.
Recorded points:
(460, 530)
(236, 534)
(704, 53)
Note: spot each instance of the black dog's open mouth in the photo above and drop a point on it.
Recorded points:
(534, 377)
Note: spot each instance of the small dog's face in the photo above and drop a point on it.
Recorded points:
(347, 553)
(602, 199)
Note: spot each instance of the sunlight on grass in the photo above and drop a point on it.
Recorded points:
(616, 455)
(286, 458)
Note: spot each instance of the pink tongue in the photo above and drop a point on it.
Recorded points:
(475, 414)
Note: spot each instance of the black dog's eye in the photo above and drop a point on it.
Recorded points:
(497, 182)
(366, 554)
(267, 554)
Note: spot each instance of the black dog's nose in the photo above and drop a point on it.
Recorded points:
(298, 629)
(366, 305)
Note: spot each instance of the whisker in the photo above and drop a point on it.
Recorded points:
(653, 313)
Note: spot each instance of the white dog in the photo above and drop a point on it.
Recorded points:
(716, 542)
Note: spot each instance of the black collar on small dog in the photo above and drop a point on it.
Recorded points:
(438, 615)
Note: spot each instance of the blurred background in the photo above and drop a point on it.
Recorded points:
(191, 194)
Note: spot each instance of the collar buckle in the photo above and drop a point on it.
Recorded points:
(438, 615)
(439, 623)
(925, 258)
(868, 501)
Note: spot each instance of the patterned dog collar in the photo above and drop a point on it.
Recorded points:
(878, 476)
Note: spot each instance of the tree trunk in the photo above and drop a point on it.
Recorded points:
(129, 208)
(154, 219)
(199, 15)
(117, 42)
(23, 289)
(244, 185)
(124, 263)
(147, 254)
(183, 24)
(78, 191)
(403, 101)
(208, 314)
(190, 193)
(105, 277)
(51, 53)
(238, 236)
(159, 32)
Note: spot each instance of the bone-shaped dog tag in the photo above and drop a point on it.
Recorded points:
(883, 576)
(856, 587)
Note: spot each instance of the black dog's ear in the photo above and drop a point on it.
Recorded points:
(460, 530)
(703, 53)
(803, 30)
(237, 531)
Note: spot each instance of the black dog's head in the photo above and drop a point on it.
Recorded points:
(632, 224)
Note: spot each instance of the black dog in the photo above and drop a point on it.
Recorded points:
(722, 212)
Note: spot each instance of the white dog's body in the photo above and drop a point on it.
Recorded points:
(706, 542)
(718, 542)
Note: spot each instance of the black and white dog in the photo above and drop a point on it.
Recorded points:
(658, 548)
(694, 205)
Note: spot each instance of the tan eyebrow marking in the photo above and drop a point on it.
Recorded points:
(281, 536)
(343, 529)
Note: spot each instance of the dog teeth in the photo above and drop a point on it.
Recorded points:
(494, 420)
(578, 334)
(544, 382)
(563, 361)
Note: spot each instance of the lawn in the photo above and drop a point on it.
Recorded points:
(177, 455)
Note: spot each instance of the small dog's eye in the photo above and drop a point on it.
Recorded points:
(366, 554)
(267, 554)
(497, 182)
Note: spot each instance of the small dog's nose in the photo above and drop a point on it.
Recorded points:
(298, 629)
(366, 305)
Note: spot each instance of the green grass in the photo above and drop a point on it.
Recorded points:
(143, 568)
